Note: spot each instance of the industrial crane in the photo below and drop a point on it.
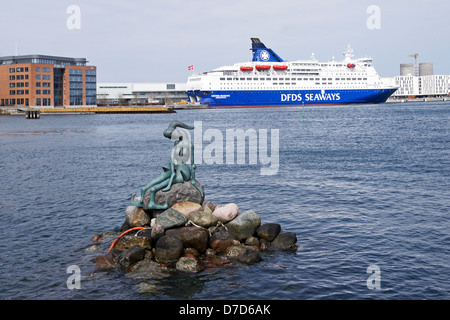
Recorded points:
(416, 71)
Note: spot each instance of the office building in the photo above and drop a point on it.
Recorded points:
(46, 81)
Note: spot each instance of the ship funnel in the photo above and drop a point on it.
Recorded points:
(261, 53)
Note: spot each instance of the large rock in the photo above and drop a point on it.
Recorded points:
(188, 264)
(268, 231)
(203, 218)
(186, 207)
(168, 249)
(249, 256)
(227, 212)
(136, 217)
(171, 218)
(221, 240)
(208, 206)
(244, 225)
(131, 256)
(106, 261)
(179, 192)
(192, 237)
(127, 241)
(285, 241)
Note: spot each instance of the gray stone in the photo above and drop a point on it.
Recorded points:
(221, 240)
(244, 225)
(179, 192)
(168, 249)
(131, 256)
(268, 231)
(187, 264)
(208, 204)
(203, 219)
(285, 241)
(157, 232)
(234, 250)
(127, 241)
(171, 218)
(191, 237)
(136, 217)
(249, 256)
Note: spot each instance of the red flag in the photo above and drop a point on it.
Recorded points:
(191, 68)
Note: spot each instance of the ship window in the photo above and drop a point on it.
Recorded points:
(249, 78)
(255, 78)
(229, 79)
(242, 79)
(275, 79)
(222, 78)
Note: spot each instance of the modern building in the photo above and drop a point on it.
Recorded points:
(424, 84)
(46, 81)
(140, 93)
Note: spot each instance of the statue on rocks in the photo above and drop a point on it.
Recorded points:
(175, 171)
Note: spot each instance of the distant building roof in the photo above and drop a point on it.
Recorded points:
(43, 59)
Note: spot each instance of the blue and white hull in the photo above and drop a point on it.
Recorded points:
(265, 98)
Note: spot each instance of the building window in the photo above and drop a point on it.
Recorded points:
(38, 91)
(38, 101)
(38, 77)
(38, 84)
(12, 77)
(46, 70)
(170, 86)
(12, 70)
(38, 69)
(46, 77)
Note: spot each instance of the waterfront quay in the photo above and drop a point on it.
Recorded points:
(88, 110)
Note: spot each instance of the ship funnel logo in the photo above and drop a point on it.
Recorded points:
(264, 55)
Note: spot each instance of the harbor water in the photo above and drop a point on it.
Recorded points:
(364, 187)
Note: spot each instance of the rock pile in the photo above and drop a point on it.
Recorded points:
(191, 236)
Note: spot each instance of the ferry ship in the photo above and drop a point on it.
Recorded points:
(270, 81)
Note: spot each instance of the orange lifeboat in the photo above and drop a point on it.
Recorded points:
(276, 67)
(262, 67)
(246, 68)
(351, 65)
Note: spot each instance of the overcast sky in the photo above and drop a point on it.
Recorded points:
(156, 41)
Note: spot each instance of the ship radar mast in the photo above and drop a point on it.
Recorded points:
(348, 53)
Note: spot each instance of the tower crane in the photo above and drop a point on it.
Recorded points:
(415, 55)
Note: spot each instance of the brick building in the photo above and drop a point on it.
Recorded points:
(46, 81)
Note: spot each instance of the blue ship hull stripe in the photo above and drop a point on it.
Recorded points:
(248, 98)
